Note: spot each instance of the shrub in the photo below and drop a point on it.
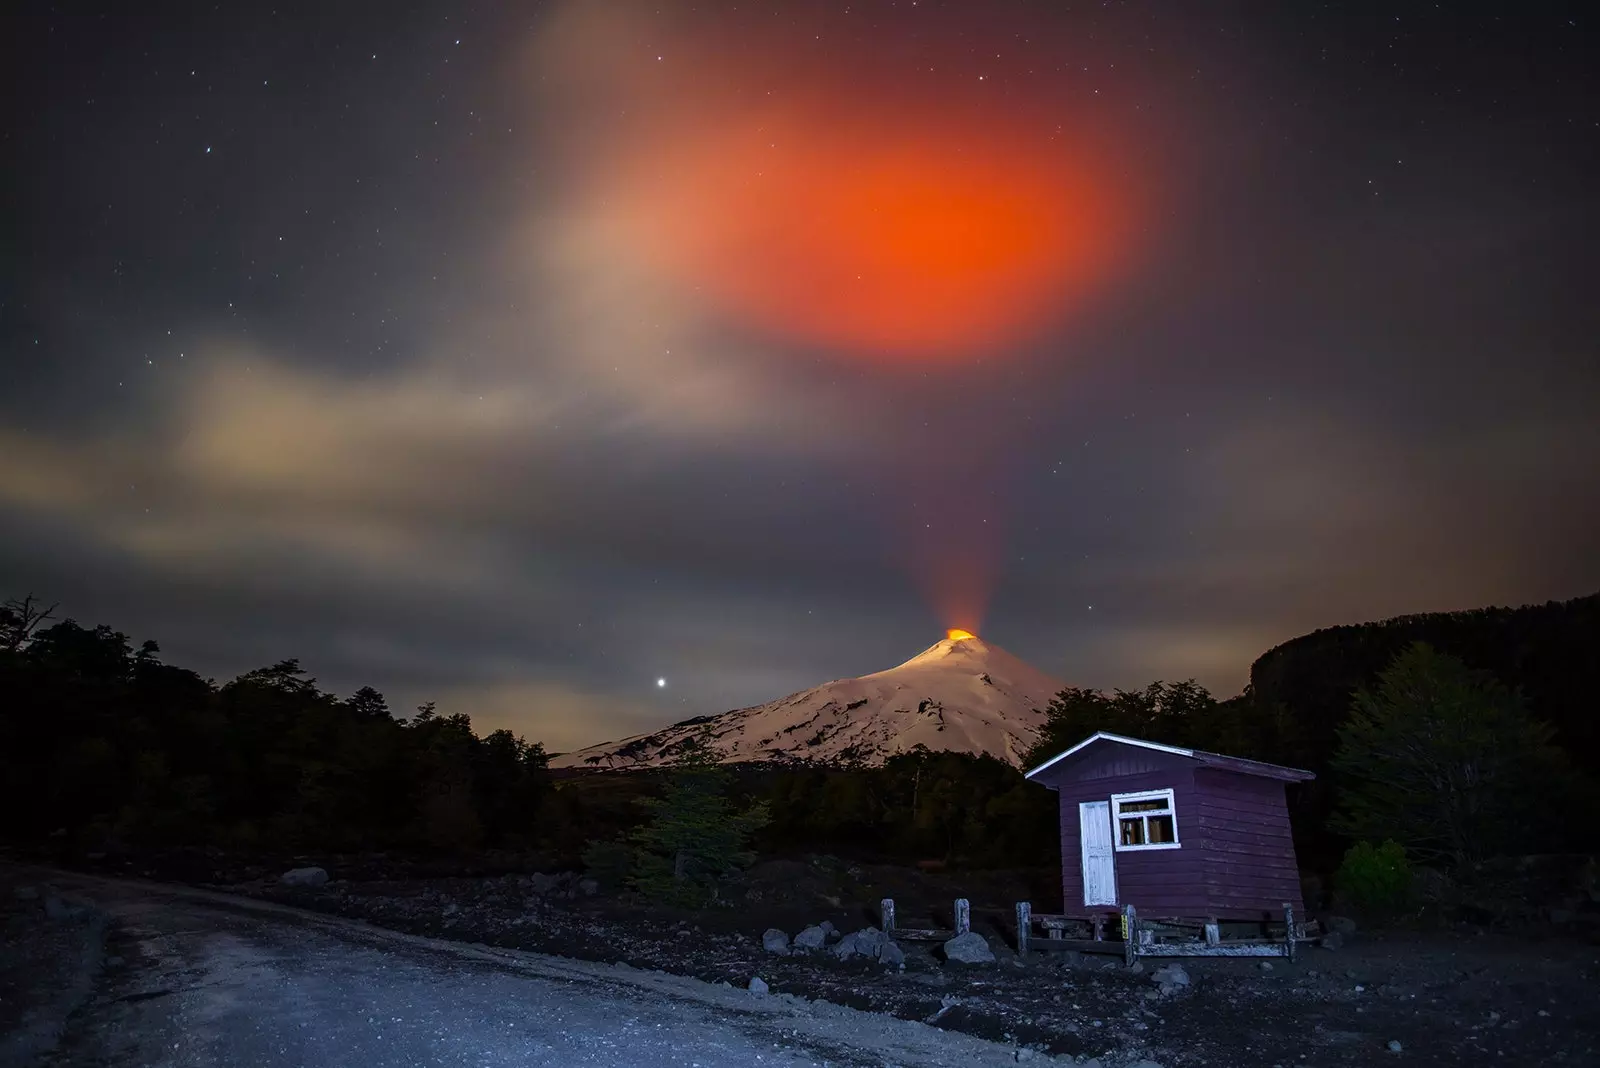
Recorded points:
(608, 863)
(1375, 879)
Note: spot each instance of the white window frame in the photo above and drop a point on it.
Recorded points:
(1117, 801)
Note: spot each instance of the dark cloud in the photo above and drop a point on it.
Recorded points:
(338, 341)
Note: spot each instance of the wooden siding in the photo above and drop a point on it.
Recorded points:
(1250, 867)
(1155, 881)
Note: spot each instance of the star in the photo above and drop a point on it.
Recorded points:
(661, 684)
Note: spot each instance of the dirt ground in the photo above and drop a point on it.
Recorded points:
(1445, 997)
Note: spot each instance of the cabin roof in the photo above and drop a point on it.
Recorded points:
(1238, 765)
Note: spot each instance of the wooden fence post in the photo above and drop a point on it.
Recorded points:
(1130, 934)
(963, 916)
(886, 915)
(1024, 926)
(1288, 930)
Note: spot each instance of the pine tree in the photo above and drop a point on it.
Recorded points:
(694, 836)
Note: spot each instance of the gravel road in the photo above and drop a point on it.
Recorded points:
(198, 978)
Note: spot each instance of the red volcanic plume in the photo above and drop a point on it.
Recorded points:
(898, 239)
(790, 178)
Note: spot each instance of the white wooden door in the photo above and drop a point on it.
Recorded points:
(1099, 857)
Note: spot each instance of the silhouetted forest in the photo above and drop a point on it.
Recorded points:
(105, 747)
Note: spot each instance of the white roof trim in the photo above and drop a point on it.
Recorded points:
(1107, 736)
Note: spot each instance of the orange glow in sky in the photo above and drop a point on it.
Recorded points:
(899, 241)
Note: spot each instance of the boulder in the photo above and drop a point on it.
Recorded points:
(811, 938)
(828, 928)
(757, 987)
(1340, 925)
(304, 877)
(969, 948)
(870, 940)
(1331, 940)
(775, 941)
(845, 948)
(867, 942)
(588, 887)
(892, 955)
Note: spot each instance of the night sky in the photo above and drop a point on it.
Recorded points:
(517, 357)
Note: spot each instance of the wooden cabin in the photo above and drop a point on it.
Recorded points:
(1176, 833)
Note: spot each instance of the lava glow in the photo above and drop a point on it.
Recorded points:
(903, 242)
(789, 180)
(955, 634)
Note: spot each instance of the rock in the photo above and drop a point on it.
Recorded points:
(26, 893)
(542, 882)
(811, 938)
(757, 987)
(866, 942)
(870, 940)
(969, 948)
(775, 941)
(828, 928)
(588, 887)
(1266, 965)
(304, 877)
(892, 955)
(1331, 940)
(1343, 925)
(846, 947)
(1395, 1046)
(1170, 975)
(1145, 1063)
(1138, 967)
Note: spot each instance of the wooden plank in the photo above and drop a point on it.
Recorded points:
(1222, 949)
(1212, 820)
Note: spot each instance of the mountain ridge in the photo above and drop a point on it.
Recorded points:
(960, 694)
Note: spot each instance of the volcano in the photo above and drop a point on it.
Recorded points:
(961, 694)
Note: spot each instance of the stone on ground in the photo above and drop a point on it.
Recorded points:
(757, 987)
(775, 941)
(304, 877)
(969, 948)
(1170, 975)
(811, 938)
(892, 955)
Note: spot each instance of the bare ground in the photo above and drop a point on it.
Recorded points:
(1447, 997)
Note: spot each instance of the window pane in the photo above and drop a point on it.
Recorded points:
(1161, 829)
(1155, 804)
(1133, 832)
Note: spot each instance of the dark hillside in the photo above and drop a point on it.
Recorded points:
(1548, 651)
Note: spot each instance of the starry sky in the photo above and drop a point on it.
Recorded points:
(518, 356)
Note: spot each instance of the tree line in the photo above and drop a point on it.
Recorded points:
(103, 745)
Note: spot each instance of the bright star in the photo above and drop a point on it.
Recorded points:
(661, 684)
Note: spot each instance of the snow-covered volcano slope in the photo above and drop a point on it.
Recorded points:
(961, 694)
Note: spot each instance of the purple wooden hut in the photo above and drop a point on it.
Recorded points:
(1176, 833)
